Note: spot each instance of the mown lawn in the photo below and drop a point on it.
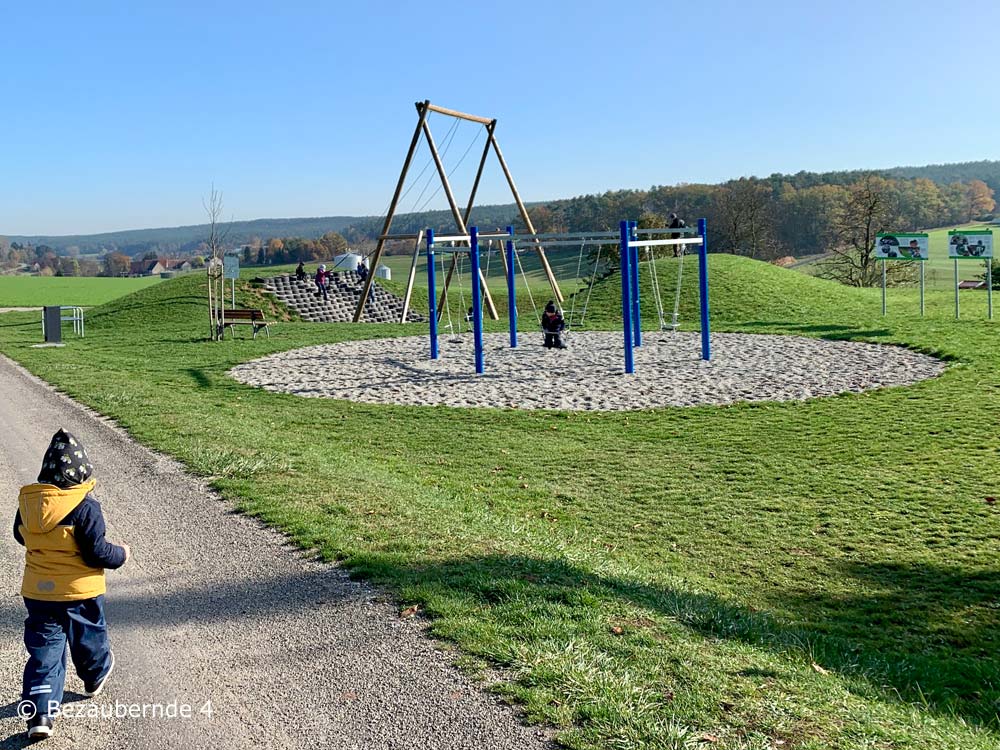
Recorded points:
(37, 291)
(799, 575)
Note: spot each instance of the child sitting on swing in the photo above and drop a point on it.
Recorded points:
(553, 325)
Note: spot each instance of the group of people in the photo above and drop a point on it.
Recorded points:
(323, 277)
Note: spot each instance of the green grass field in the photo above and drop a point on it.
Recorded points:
(804, 575)
(37, 291)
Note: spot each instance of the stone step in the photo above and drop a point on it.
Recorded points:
(344, 292)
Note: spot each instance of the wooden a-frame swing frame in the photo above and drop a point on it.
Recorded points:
(424, 108)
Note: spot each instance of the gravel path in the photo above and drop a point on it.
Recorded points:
(215, 607)
(589, 374)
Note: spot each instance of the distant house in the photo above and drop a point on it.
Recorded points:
(160, 265)
(972, 284)
(145, 267)
(177, 264)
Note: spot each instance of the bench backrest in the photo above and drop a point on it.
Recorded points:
(256, 316)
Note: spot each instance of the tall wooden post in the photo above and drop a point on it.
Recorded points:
(527, 219)
(377, 255)
(459, 222)
(412, 275)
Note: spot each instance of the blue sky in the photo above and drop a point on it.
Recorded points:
(121, 115)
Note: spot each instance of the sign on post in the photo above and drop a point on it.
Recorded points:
(231, 266)
(902, 246)
(231, 271)
(913, 246)
(973, 244)
(970, 243)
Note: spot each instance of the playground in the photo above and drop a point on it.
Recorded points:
(586, 376)
(780, 533)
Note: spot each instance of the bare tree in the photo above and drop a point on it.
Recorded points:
(746, 213)
(215, 246)
(867, 210)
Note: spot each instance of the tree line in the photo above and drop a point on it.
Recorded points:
(770, 218)
(837, 213)
(279, 250)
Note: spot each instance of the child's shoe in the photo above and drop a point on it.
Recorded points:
(39, 727)
(91, 690)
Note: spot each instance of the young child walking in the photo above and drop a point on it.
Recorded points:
(62, 529)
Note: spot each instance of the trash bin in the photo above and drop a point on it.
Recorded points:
(52, 324)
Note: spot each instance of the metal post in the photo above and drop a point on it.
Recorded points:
(634, 261)
(922, 288)
(989, 288)
(626, 273)
(234, 293)
(477, 298)
(432, 295)
(956, 290)
(706, 347)
(883, 286)
(412, 276)
(511, 290)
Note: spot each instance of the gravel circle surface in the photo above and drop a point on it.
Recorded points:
(589, 374)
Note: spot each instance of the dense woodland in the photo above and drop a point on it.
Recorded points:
(764, 218)
(836, 213)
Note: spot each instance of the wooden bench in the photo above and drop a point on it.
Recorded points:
(253, 318)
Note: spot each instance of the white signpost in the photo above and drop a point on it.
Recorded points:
(973, 244)
(908, 246)
(231, 270)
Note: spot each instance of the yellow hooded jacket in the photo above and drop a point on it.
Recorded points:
(54, 568)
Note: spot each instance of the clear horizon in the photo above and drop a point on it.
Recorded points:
(132, 112)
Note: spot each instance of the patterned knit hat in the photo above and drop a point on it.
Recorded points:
(66, 462)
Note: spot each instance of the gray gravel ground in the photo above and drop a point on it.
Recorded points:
(588, 376)
(216, 608)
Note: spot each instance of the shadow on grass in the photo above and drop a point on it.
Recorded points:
(831, 331)
(199, 377)
(24, 324)
(915, 641)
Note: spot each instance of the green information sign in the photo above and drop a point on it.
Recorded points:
(902, 246)
(974, 244)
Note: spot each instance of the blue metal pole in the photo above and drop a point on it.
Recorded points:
(626, 274)
(634, 260)
(511, 291)
(706, 348)
(477, 298)
(432, 294)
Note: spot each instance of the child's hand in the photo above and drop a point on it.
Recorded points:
(128, 552)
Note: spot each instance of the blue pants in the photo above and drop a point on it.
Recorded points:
(50, 629)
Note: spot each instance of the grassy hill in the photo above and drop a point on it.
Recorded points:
(805, 575)
(35, 291)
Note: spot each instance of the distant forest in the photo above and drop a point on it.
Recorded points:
(185, 240)
(795, 214)
(799, 214)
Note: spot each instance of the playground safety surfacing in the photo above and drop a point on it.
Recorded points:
(588, 375)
